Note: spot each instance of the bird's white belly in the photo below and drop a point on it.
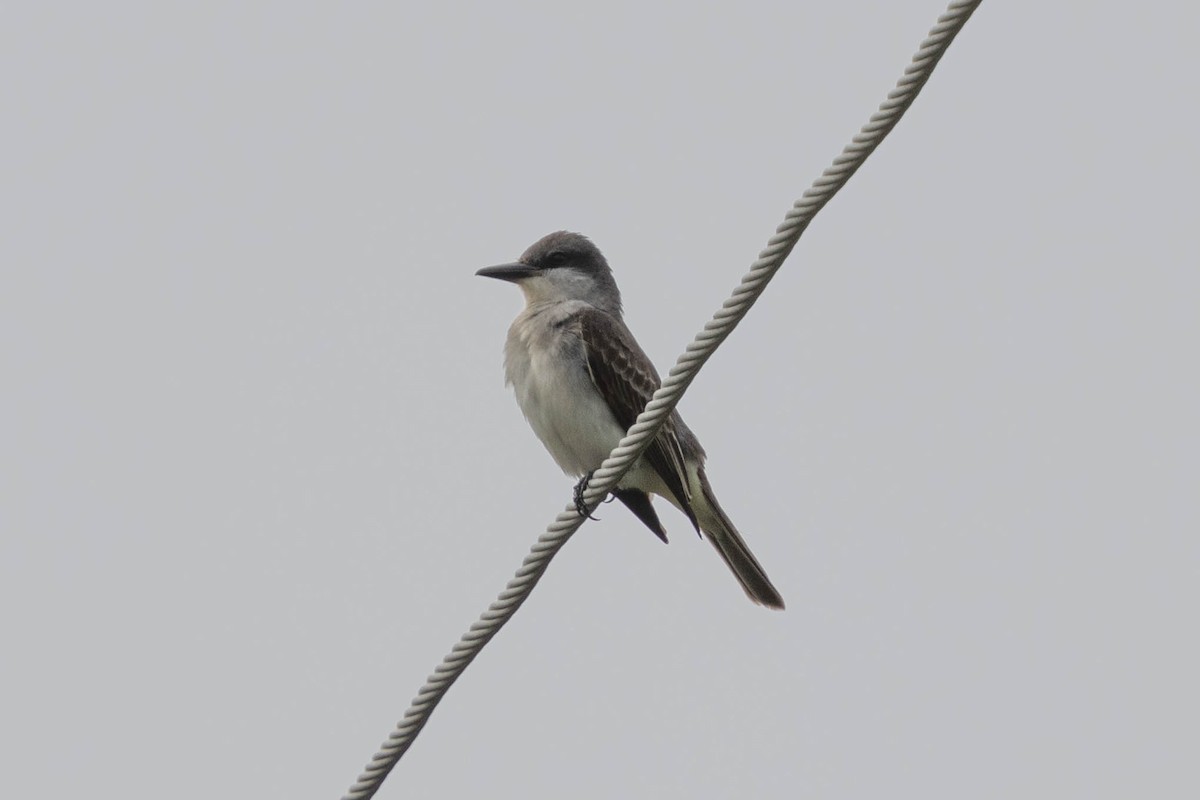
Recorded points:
(548, 373)
(567, 413)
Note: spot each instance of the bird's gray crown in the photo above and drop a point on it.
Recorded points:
(564, 250)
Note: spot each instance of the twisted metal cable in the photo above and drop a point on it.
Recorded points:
(660, 406)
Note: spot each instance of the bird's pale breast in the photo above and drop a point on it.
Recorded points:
(545, 364)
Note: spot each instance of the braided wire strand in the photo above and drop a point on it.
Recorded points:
(665, 399)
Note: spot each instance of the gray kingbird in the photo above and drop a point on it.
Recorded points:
(581, 380)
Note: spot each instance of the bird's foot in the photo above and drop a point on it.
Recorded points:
(580, 488)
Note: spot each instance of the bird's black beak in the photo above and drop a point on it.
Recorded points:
(508, 272)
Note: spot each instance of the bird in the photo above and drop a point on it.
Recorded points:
(581, 379)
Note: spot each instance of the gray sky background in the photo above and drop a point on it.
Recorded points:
(260, 471)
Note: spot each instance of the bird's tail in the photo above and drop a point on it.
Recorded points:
(732, 547)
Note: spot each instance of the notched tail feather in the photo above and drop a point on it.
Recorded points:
(639, 503)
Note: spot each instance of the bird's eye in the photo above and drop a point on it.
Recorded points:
(555, 259)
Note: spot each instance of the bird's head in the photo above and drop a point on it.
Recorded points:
(562, 266)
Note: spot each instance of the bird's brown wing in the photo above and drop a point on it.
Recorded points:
(626, 379)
